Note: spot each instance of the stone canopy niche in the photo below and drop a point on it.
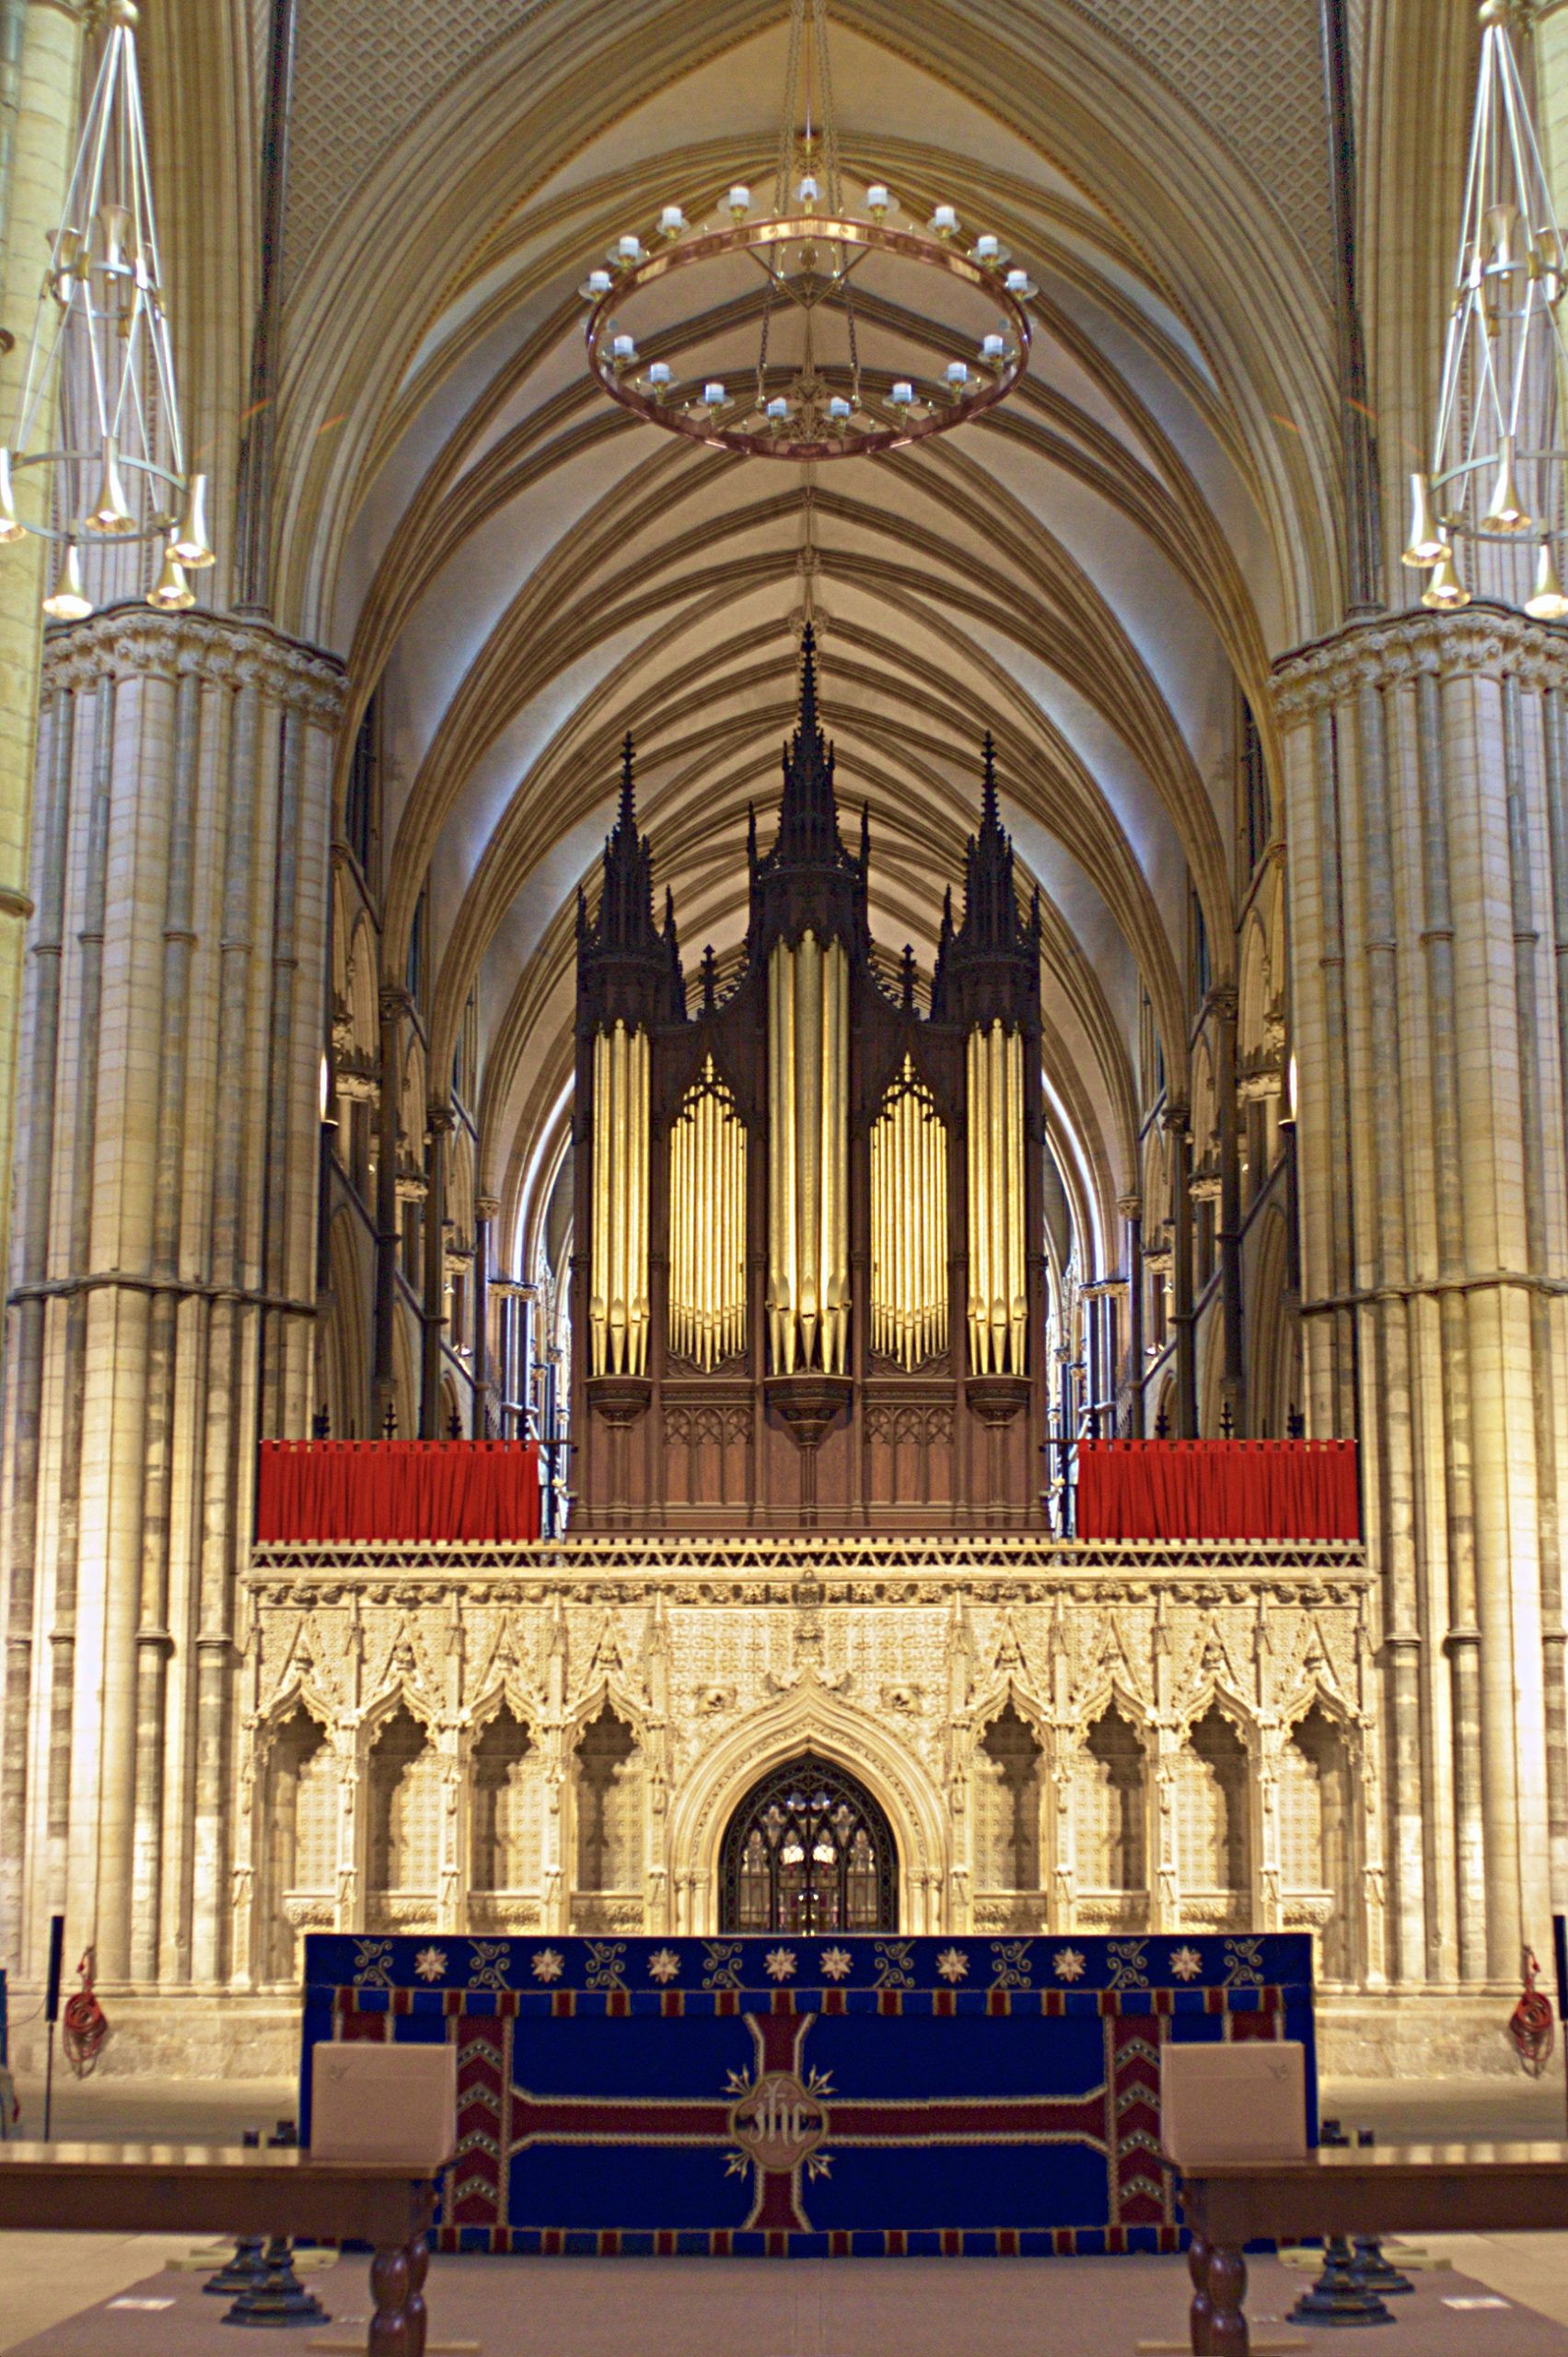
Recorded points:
(808, 1289)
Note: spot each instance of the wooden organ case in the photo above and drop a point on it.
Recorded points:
(808, 1277)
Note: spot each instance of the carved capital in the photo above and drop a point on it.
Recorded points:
(1480, 642)
(136, 642)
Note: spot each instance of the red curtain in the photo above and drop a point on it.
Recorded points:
(1217, 1488)
(398, 1489)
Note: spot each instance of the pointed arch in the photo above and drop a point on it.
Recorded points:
(809, 1718)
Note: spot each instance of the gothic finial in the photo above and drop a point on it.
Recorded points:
(865, 834)
(990, 814)
(628, 813)
(710, 978)
(907, 977)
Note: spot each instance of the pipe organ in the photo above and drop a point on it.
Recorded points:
(809, 1270)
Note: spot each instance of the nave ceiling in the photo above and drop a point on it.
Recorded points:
(523, 574)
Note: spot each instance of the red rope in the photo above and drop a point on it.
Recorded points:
(1531, 2025)
(84, 2027)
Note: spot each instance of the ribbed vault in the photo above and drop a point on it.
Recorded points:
(518, 573)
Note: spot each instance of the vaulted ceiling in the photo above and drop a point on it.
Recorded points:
(523, 573)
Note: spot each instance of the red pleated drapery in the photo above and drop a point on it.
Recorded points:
(398, 1489)
(1217, 1488)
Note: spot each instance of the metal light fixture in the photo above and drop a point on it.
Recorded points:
(97, 437)
(1496, 480)
(831, 276)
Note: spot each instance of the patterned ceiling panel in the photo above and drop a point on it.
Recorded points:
(364, 74)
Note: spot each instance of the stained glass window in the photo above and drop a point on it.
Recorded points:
(809, 1850)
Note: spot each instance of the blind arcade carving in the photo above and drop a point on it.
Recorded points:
(807, 1209)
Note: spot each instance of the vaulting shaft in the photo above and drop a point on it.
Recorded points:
(618, 1304)
(808, 1150)
(998, 1291)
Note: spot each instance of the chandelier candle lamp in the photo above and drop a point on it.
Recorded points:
(96, 457)
(1496, 480)
(800, 345)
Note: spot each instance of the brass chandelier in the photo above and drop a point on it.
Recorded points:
(96, 459)
(797, 295)
(1497, 476)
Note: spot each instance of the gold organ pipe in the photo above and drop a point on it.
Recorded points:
(598, 1286)
(808, 1295)
(707, 1279)
(836, 1151)
(998, 1290)
(808, 1140)
(679, 1238)
(979, 1229)
(996, 1192)
(876, 1285)
(620, 1241)
(678, 1195)
(1017, 1290)
(638, 1275)
(618, 1287)
(909, 1227)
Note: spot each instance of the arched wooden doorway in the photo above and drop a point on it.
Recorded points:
(808, 1850)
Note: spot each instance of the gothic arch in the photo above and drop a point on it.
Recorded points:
(808, 1718)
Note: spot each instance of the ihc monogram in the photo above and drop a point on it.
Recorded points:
(777, 2122)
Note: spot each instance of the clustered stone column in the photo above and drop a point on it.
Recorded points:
(1425, 761)
(35, 163)
(163, 1290)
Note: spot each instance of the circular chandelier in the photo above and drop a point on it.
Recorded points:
(96, 459)
(804, 343)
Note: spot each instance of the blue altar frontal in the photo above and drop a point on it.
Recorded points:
(809, 2097)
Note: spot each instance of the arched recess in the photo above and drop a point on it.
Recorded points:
(1010, 1837)
(299, 1798)
(808, 1719)
(1317, 1835)
(1216, 1846)
(1112, 1799)
(506, 1794)
(809, 1850)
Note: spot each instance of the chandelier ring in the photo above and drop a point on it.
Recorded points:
(858, 238)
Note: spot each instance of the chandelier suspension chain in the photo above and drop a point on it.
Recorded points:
(811, 393)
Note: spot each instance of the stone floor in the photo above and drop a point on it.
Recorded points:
(54, 2289)
(630, 2307)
